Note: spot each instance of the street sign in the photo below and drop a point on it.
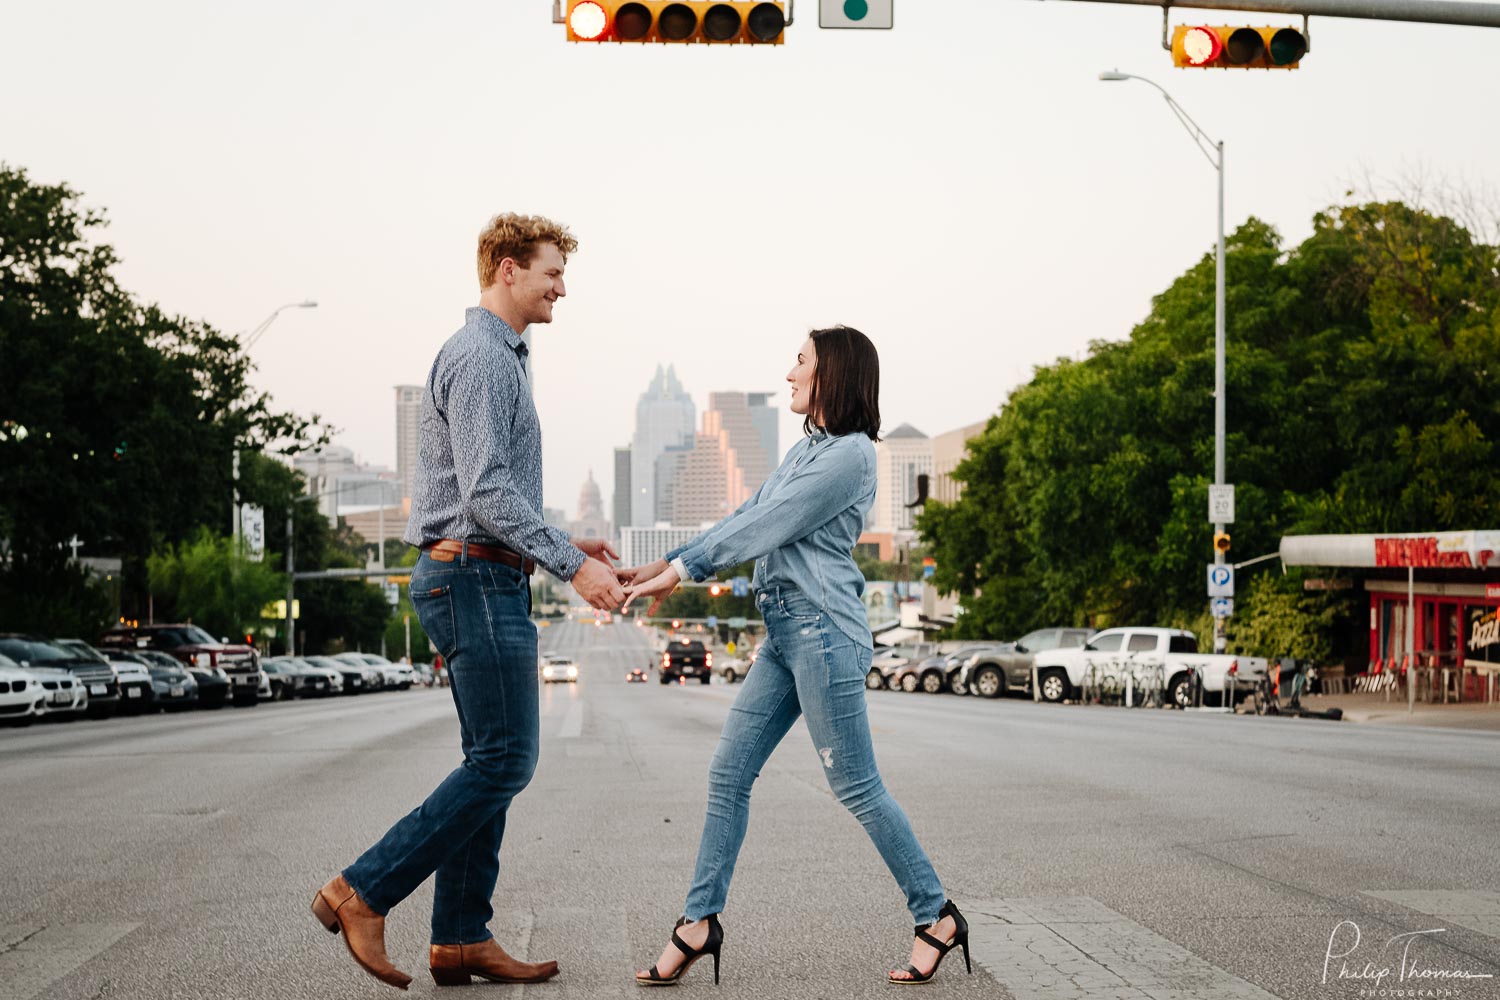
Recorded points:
(713, 621)
(738, 622)
(929, 567)
(855, 13)
(1223, 607)
(1221, 504)
(393, 594)
(1220, 581)
(740, 586)
(253, 531)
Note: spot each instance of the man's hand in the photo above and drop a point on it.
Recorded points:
(596, 548)
(640, 574)
(595, 582)
(657, 588)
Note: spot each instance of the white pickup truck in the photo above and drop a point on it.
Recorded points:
(1113, 653)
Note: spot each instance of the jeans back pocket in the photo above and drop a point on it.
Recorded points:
(433, 603)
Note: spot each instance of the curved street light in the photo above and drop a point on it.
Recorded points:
(1214, 151)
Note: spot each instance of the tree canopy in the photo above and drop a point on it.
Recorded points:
(1362, 395)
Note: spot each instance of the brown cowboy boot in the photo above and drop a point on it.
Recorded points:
(339, 908)
(454, 964)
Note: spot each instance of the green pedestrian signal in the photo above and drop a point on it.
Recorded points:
(855, 13)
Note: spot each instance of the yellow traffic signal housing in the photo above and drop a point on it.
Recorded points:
(755, 22)
(1221, 542)
(1230, 47)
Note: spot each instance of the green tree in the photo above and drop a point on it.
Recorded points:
(205, 581)
(129, 416)
(1362, 394)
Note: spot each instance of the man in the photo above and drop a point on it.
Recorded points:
(477, 516)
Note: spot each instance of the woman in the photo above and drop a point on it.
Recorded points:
(800, 527)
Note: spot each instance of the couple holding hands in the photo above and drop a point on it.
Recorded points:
(477, 516)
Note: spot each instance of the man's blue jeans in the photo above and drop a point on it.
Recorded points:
(477, 613)
(809, 667)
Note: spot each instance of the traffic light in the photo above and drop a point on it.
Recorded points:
(1221, 542)
(1230, 47)
(758, 22)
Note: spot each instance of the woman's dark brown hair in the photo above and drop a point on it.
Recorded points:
(845, 392)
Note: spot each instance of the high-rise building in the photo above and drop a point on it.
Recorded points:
(667, 465)
(621, 504)
(767, 421)
(708, 483)
(947, 451)
(729, 413)
(664, 418)
(408, 433)
(904, 454)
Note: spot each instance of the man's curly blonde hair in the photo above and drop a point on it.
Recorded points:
(517, 237)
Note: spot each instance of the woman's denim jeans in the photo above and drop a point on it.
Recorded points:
(806, 667)
(477, 613)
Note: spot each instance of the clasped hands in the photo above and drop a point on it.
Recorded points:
(609, 587)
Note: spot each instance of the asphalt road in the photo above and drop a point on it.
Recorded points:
(1098, 852)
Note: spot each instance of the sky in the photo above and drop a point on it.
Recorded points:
(962, 187)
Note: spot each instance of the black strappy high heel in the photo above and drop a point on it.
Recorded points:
(960, 940)
(711, 946)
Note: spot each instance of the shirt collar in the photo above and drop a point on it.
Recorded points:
(486, 320)
(818, 434)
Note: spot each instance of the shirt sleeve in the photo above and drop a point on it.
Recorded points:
(754, 499)
(482, 395)
(814, 493)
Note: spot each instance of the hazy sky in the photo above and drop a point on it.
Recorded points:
(962, 188)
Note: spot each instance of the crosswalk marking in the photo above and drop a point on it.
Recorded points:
(34, 957)
(1477, 910)
(1076, 948)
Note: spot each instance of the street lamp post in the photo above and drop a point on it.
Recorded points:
(1214, 151)
(247, 341)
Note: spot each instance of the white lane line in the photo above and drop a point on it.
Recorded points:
(1478, 910)
(1076, 948)
(32, 959)
(572, 723)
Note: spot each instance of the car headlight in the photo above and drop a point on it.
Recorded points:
(572, 671)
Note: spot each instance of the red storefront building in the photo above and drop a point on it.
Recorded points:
(1451, 578)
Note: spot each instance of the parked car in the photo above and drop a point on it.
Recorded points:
(934, 674)
(98, 679)
(1062, 672)
(559, 670)
(211, 683)
(422, 674)
(686, 658)
(353, 674)
(21, 693)
(137, 694)
(290, 679)
(991, 671)
(318, 681)
(374, 678)
(193, 646)
(732, 668)
(888, 660)
(174, 687)
(392, 675)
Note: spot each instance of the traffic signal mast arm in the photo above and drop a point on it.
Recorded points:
(1474, 15)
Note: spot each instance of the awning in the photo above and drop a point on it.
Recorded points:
(1419, 550)
(897, 636)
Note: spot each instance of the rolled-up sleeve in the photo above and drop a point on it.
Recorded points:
(480, 400)
(812, 494)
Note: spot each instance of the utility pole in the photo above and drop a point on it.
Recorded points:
(291, 618)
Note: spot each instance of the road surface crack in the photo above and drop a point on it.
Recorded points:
(16, 944)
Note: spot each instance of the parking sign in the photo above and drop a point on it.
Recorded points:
(1220, 580)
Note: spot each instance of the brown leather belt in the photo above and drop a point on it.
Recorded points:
(447, 549)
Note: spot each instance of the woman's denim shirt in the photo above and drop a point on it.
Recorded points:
(800, 527)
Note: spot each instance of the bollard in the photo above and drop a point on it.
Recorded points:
(1036, 692)
(1130, 689)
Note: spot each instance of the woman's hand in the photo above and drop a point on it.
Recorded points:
(657, 588)
(640, 574)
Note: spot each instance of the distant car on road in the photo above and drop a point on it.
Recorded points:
(635, 675)
(560, 670)
(686, 658)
